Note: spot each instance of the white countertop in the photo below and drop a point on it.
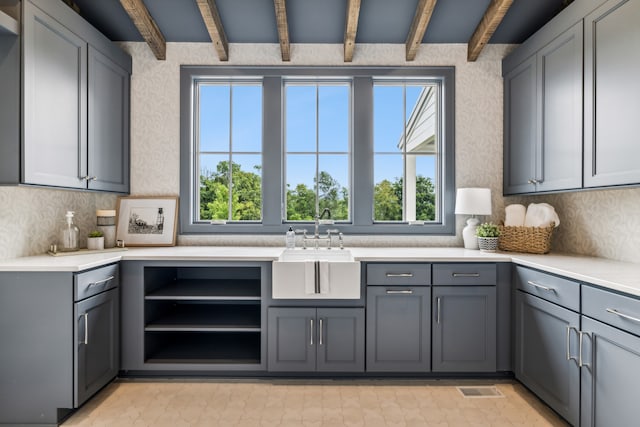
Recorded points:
(615, 275)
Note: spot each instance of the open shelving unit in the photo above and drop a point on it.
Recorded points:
(203, 315)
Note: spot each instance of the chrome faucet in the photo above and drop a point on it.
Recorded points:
(317, 237)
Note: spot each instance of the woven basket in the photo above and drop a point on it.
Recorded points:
(533, 240)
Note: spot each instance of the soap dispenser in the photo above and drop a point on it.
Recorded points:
(290, 239)
(69, 235)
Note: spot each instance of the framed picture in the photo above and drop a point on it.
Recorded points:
(147, 220)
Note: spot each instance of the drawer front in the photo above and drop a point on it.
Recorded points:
(556, 289)
(399, 274)
(93, 282)
(479, 274)
(614, 309)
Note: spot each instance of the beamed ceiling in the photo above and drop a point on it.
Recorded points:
(349, 22)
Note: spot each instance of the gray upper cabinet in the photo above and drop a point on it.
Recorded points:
(543, 118)
(520, 128)
(611, 109)
(560, 111)
(54, 132)
(108, 123)
(75, 135)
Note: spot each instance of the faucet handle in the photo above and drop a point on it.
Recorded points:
(300, 231)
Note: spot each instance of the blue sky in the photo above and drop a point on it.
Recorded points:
(300, 111)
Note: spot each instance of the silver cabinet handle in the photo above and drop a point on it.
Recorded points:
(581, 362)
(544, 288)
(311, 331)
(399, 274)
(466, 274)
(569, 356)
(86, 328)
(404, 291)
(624, 316)
(320, 332)
(99, 282)
(438, 309)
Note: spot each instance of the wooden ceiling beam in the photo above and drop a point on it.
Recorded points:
(487, 26)
(147, 27)
(212, 21)
(418, 27)
(351, 28)
(283, 29)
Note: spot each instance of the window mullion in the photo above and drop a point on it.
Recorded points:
(230, 198)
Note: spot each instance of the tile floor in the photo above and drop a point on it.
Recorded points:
(370, 403)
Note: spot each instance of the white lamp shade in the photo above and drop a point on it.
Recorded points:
(473, 201)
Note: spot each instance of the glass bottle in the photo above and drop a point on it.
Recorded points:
(69, 235)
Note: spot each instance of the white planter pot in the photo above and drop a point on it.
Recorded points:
(488, 244)
(95, 243)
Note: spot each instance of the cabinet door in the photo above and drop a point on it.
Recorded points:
(55, 102)
(520, 128)
(97, 344)
(398, 329)
(611, 107)
(610, 375)
(108, 109)
(292, 340)
(340, 339)
(560, 90)
(464, 329)
(546, 353)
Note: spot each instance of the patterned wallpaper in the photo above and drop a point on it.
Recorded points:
(156, 126)
(604, 223)
(30, 218)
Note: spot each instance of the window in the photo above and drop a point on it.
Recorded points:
(229, 151)
(406, 151)
(265, 148)
(317, 149)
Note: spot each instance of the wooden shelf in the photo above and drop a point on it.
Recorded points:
(211, 289)
(8, 25)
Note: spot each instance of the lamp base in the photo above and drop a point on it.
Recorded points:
(469, 234)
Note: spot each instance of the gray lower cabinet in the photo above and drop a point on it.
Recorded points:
(610, 375)
(398, 329)
(611, 108)
(546, 351)
(184, 316)
(97, 341)
(76, 134)
(308, 339)
(60, 338)
(464, 329)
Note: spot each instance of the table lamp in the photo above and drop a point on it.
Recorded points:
(472, 201)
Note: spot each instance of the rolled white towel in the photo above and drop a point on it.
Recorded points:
(541, 215)
(514, 215)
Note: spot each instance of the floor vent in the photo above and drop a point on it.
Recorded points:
(480, 391)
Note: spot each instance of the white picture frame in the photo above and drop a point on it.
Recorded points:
(147, 220)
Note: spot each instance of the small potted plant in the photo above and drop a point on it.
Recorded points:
(488, 234)
(95, 241)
